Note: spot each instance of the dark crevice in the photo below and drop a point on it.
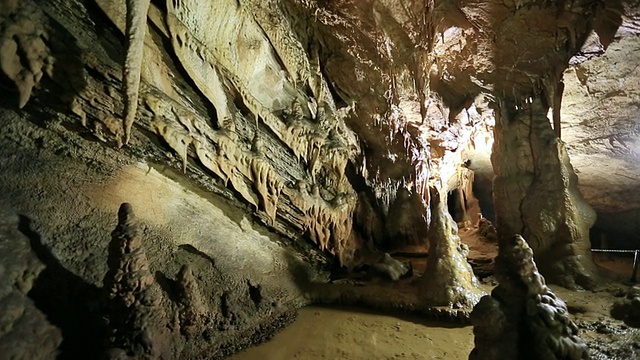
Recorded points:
(69, 302)
(255, 293)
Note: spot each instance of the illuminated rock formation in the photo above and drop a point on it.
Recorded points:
(321, 126)
(136, 30)
(523, 318)
(448, 279)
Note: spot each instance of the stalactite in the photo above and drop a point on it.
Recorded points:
(136, 29)
(265, 180)
(24, 55)
(177, 139)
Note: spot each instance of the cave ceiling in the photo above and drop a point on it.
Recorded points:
(343, 111)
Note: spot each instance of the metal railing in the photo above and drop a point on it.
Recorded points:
(636, 259)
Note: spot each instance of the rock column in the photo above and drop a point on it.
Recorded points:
(536, 194)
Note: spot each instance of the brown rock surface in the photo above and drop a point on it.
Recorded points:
(275, 139)
(138, 321)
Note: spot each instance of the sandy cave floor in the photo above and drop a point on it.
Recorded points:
(337, 332)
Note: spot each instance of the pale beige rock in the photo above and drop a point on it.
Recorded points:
(536, 194)
(448, 279)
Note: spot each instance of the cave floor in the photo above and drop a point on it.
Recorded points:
(353, 333)
(340, 332)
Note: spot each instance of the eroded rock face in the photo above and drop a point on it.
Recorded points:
(523, 318)
(25, 332)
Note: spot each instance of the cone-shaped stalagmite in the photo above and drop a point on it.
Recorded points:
(448, 279)
(193, 311)
(523, 319)
(137, 320)
(536, 194)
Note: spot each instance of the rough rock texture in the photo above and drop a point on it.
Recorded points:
(194, 313)
(359, 108)
(522, 318)
(448, 279)
(600, 111)
(628, 308)
(138, 322)
(390, 268)
(529, 160)
(25, 332)
(24, 54)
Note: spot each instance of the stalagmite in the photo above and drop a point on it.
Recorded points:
(135, 32)
(448, 279)
(137, 319)
(25, 331)
(194, 312)
(523, 319)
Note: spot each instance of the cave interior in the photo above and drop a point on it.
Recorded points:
(281, 179)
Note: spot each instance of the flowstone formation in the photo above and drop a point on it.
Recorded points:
(25, 332)
(137, 322)
(448, 279)
(522, 318)
(536, 194)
